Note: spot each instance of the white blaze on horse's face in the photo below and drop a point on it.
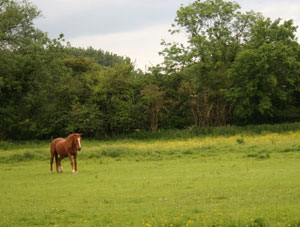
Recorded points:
(79, 144)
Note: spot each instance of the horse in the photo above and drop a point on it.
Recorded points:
(65, 148)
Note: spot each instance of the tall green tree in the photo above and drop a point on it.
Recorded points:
(22, 55)
(153, 99)
(216, 31)
(16, 24)
(266, 73)
(114, 94)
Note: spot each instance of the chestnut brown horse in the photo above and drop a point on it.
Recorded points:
(61, 148)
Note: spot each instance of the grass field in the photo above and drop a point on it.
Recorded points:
(241, 180)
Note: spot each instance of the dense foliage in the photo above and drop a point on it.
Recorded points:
(235, 68)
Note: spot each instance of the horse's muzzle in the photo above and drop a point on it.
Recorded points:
(79, 149)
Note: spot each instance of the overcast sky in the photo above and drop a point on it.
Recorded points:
(133, 28)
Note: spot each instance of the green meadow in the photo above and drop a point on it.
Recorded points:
(233, 180)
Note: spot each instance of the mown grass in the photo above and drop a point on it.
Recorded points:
(239, 180)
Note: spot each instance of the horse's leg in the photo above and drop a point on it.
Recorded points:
(56, 161)
(60, 168)
(71, 161)
(75, 160)
(51, 162)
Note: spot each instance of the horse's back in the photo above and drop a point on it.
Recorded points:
(55, 142)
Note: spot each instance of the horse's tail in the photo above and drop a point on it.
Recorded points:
(56, 157)
(53, 154)
(53, 150)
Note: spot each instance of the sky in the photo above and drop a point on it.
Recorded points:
(133, 28)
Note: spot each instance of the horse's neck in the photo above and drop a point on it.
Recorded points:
(70, 142)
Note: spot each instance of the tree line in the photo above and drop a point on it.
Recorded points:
(234, 68)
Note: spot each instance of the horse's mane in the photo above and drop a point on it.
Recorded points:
(70, 140)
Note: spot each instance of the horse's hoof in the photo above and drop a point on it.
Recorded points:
(73, 171)
(51, 172)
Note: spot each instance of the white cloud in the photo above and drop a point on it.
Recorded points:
(142, 46)
(134, 28)
(76, 18)
(284, 9)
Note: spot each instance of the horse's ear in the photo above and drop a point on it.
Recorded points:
(80, 134)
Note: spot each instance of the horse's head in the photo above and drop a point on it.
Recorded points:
(77, 140)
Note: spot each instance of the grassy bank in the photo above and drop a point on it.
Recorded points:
(229, 130)
(153, 149)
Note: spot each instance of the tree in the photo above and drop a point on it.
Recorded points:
(101, 57)
(114, 95)
(16, 24)
(153, 99)
(216, 31)
(266, 73)
(22, 68)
